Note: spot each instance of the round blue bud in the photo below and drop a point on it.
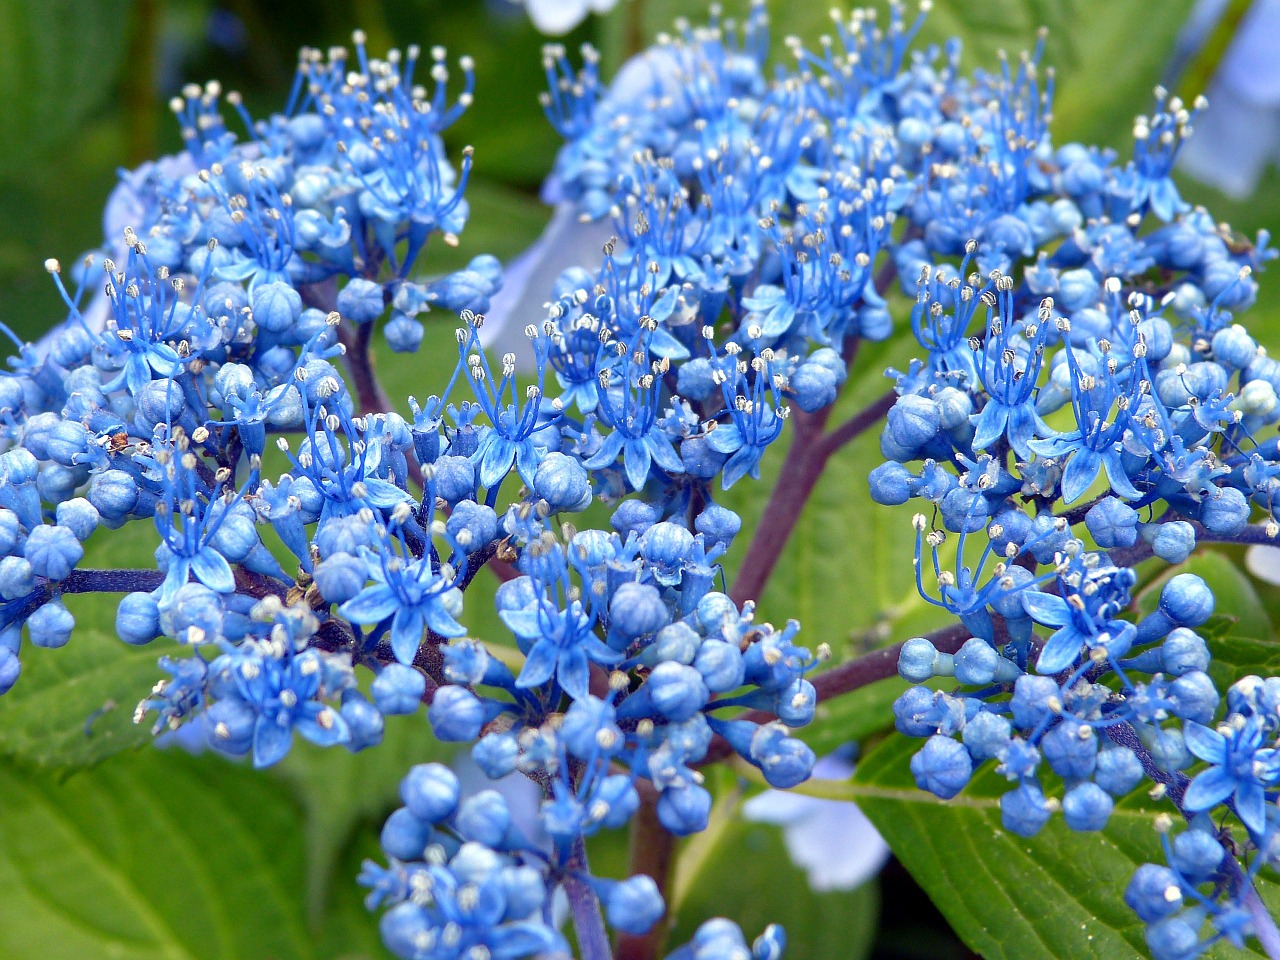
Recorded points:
(986, 735)
(10, 669)
(1153, 893)
(712, 610)
(1174, 541)
(196, 614)
(496, 754)
(942, 767)
(633, 516)
(717, 524)
(916, 660)
(913, 421)
(114, 493)
(472, 525)
(230, 725)
(676, 641)
(364, 721)
(340, 576)
(360, 300)
(17, 579)
(1071, 749)
(398, 689)
(1118, 770)
(1174, 938)
(404, 333)
(699, 458)
(1225, 512)
(484, 817)
(1112, 523)
(976, 662)
(405, 927)
(11, 532)
(634, 905)
(676, 691)
(51, 625)
(1233, 346)
(79, 516)
(53, 552)
(636, 610)
(785, 761)
(276, 306)
(66, 440)
(1196, 854)
(1086, 806)
(1031, 700)
(138, 618)
(1186, 600)
(455, 478)
(695, 379)
(563, 482)
(1183, 651)
(456, 714)
(404, 836)
(891, 484)
(684, 810)
(912, 710)
(430, 791)
(954, 408)
(720, 664)
(1194, 697)
(1077, 289)
(1024, 810)
(815, 386)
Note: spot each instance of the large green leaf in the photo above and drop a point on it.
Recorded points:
(159, 856)
(74, 706)
(1055, 895)
(343, 793)
(51, 79)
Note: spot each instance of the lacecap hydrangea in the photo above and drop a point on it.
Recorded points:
(1084, 400)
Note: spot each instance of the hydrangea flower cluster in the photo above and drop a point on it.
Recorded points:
(317, 545)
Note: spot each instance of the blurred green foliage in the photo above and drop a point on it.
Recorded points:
(146, 855)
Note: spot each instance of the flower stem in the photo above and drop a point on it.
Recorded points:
(806, 458)
(584, 907)
(1264, 925)
(652, 853)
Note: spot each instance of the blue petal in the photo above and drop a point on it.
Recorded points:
(746, 460)
(1060, 652)
(270, 742)
(574, 673)
(1082, 470)
(496, 459)
(1046, 608)
(406, 633)
(989, 425)
(539, 666)
(211, 569)
(1208, 790)
(373, 604)
(1251, 805)
(334, 730)
(1207, 744)
(726, 438)
(607, 453)
(637, 460)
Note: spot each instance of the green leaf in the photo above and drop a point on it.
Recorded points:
(1055, 895)
(748, 877)
(74, 706)
(160, 856)
(52, 79)
(340, 792)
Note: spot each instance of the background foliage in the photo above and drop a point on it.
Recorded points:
(108, 850)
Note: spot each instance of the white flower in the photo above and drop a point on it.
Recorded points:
(560, 16)
(831, 840)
